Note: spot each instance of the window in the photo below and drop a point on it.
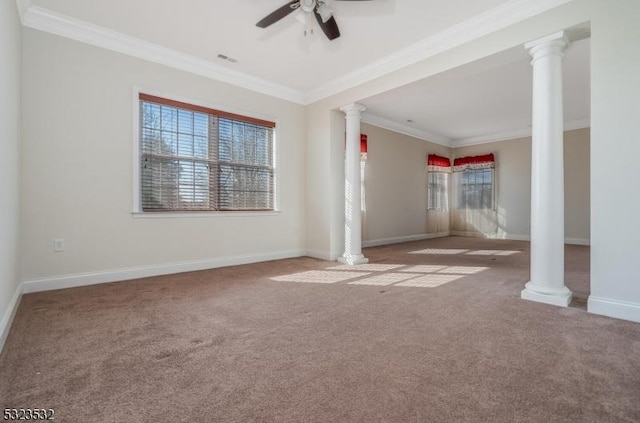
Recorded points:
(194, 158)
(475, 181)
(363, 164)
(476, 189)
(438, 170)
(438, 189)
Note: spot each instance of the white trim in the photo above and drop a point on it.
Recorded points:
(400, 128)
(9, 314)
(577, 241)
(55, 23)
(135, 169)
(23, 6)
(495, 19)
(320, 255)
(92, 278)
(510, 237)
(401, 239)
(205, 214)
(614, 308)
(511, 135)
(556, 36)
(492, 20)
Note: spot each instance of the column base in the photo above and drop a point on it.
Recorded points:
(352, 260)
(558, 297)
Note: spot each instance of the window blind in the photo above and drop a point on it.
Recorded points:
(194, 158)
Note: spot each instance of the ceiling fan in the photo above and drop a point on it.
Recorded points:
(320, 9)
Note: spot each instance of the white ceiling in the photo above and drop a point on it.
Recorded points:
(479, 101)
(486, 100)
(280, 53)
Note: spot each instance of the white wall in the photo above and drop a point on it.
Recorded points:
(396, 185)
(513, 183)
(323, 143)
(10, 59)
(78, 169)
(615, 149)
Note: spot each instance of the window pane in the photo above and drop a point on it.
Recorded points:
(185, 121)
(169, 118)
(197, 161)
(200, 124)
(438, 191)
(151, 116)
(476, 189)
(185, 145)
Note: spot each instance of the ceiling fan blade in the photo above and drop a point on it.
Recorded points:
(330, 27)
(277, 14)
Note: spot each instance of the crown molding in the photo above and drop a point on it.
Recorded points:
(23, 6)
(45, 20)
(511, 135)
(497, 18)
(492, 20)
(405, 129)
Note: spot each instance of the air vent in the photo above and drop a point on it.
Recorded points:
(227, 58)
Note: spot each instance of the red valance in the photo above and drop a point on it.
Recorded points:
(486, 161)
(437, 163)
(435, 160)
(363, 143)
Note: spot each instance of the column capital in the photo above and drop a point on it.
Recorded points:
(353, 109)
(552, 44)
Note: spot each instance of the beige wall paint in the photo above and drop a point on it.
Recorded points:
(319, 139)
(513, 185)
(78, 169)
(10, 59)
(396, 184)
(577, 184)
(615, 148)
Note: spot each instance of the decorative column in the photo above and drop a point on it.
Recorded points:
(352, 200)
(547, 174)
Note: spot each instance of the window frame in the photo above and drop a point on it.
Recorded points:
(137, 211)
(460, 184)
(446, 190)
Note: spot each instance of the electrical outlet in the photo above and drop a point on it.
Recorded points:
(58, 245)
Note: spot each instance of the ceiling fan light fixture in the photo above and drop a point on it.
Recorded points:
(324, 11)
(307, 5)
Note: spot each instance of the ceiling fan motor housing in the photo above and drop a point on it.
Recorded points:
(308, 5)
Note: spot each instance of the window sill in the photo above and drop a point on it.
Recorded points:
(204, 214)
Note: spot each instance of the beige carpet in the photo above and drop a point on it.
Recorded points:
(437, 334)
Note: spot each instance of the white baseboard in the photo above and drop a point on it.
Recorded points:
(512, 237)
(614, 308)
(9, 314)
(400, 239)
(321, 255)
(91, 278)
(577, 241)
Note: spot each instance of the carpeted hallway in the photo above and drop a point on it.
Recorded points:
(437, 334)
